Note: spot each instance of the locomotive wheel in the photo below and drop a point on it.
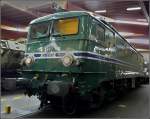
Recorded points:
(111, 95)
(56, 103)
(69, 104)
(97, 98)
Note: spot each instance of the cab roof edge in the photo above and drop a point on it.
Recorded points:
(56, 13)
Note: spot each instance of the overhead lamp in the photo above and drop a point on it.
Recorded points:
(133, 8)
(146, 50)
(125, 34)
(10, 28)
(142, 20)
(100, 11)
(138, 40)
(131, 22)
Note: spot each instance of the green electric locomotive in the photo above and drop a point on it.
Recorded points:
(72, 56)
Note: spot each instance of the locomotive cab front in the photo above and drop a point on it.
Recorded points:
(52, 43)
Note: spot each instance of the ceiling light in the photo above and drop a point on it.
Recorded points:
(146, 50)
(125, 34)
(131, 22)
(143, 20)
(138, 41)
(100, 11)
(14, 28)
(133, 8)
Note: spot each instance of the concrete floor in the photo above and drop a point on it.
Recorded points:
(134, 104)
(20, 105)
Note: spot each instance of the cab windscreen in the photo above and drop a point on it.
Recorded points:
(66, 26)
(39, 30)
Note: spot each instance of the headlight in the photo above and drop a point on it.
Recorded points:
(67, 60)
(2, 51)
(28, 60)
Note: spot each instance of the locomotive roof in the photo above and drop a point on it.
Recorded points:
(59, 15)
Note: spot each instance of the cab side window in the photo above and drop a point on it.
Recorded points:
(92, 31)
(100, 33)
(109, 39)
(97, 32)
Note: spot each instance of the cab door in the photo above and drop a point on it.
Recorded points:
(110, 52)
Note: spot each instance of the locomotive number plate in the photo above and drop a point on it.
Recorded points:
(52, 54)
